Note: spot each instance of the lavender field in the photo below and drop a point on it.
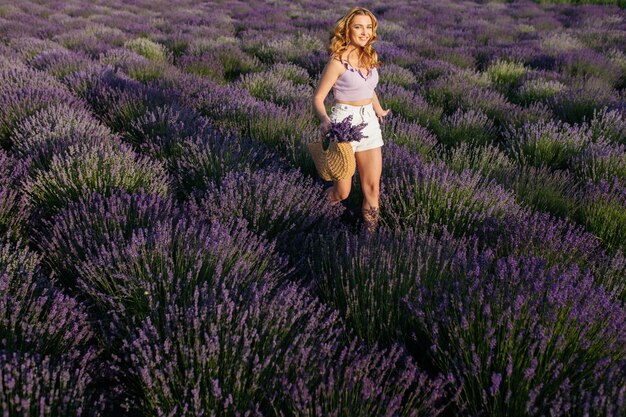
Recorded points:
(166, 248)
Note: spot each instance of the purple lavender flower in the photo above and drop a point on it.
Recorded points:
(199, 162)
(345, 131)
(279, 350)
(48, 385)
(466, 126)
(556, 240)
(95, 222)
(410, 105)
(273, 86)
(609, 124)
(204, 65)
(52, 131)
(25, 91)
(367, 277)
(163, 264)
(59, 62)
(34, 316)
(13, 214)
(582, 99)
(281, 204)
(547, 143)
(410, 134)
(553, 191)
(548, 325)
(430, 195)
(601, 160)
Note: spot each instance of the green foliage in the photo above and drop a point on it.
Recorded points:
(605, 216)
(102, 168)
(368, 277)
(148, 49)
(538, 90)
(544, 190)
(437, 197)
(547, 144)
(487, 160)
(273, 87)
(466, 127)
(506, 75)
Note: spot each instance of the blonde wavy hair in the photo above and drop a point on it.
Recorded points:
(340, 38)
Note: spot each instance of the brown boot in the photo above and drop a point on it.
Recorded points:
(371, 217)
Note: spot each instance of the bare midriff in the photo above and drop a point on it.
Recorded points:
(355, 103)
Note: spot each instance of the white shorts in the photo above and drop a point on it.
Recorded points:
(373, 136)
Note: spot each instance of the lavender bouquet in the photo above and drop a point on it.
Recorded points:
(344, 131)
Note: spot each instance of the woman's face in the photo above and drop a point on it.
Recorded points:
(360, 30)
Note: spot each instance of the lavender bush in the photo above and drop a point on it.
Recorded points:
(13, 213)
(35, 317)
(488, 161)
(409, 105)
(571, 360)
(282, 47)
(47, 366)
(506, 75)
(602, 211)
(367, 278)
(395, 74)
(59, 62)
(586, 63)
(204, 65)
(135, 65)
(416, 138)
(101, 168)
(96, 222)
(200, 162)
(547, 143)
(610, 124)
(543, 189)
(148, 49)
(160, 130)
(51, 131)
(450, 91)
(165, 264)
(537, 89)
(601, 160)
(22, 93)
(259, 360)
(28, 47)
(466, 126)
(282, 205)
(13, 207)
(426, 195)
(611, 274)
(582, 99)
(32, 385)
(234, 61)
(114, 98)
(555, 240)
(274, 87)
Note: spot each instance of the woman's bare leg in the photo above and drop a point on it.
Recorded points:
(370, 166)
(339, 191)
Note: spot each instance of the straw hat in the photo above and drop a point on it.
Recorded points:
(335, 163)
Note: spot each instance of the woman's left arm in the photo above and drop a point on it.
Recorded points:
(380, 113)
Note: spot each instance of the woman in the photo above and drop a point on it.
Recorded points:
(351, 73)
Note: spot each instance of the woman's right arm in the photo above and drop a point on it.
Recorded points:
(331, 72)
